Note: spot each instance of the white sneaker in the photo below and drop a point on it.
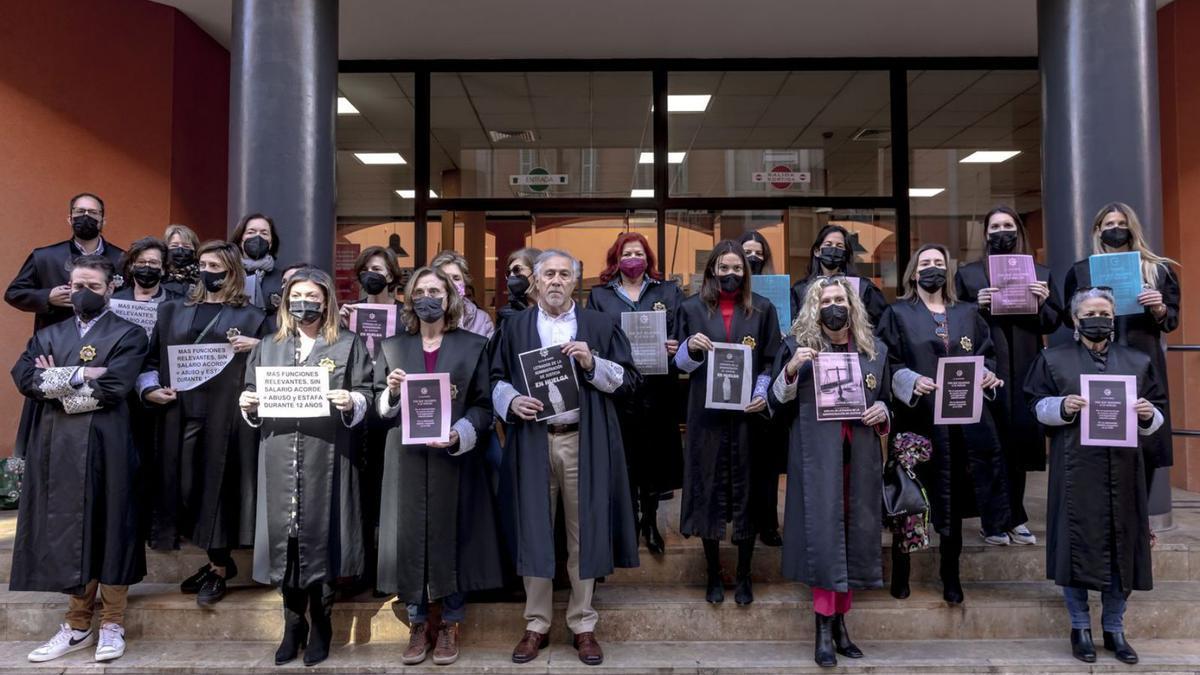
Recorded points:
(65, 641)
(995, 539)
(112, 642)
(1021, 535)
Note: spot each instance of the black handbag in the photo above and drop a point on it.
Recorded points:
(903, 494)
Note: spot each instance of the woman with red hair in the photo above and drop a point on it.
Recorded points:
(649, 418)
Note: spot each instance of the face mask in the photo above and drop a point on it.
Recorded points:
(461, 287)
(88, 304)
(633, 268)
(256, 247)
(1095, 328)
(85, 227)
(213, 280)
(372, 282)
(147, 277)
(428, 309)
(304, 311)
(756, 263)
(835, 317)
(182, 257)
(832, 257)
(730, 282)
(1002, 242)
(931, 279)
(1117, 237)
(518, 285)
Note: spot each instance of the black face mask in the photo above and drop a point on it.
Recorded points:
(181, 257)
(835, 317)
(1116, 237)
(1002, 242)
(213, 281)
(85, 227)
(304, 311)
(730, 282)
(518, 286)
(88, 304)
(832, 257)
(256, 247)
(372, 282)
(1095, 328)
(428, 309)
(931, 279)
(756, 264)
(147, 277)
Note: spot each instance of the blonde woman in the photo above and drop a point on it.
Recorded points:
(832, 509)
(1116, 229)
(474, 319)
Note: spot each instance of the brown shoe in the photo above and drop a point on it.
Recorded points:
(589, 650)
(420, 640)
(446, 651)
(527, 649)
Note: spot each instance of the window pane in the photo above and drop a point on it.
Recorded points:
(375, 145)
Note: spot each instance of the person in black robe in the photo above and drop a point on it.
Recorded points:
(182, 271)
(834, 467)
(77, 528)
(1116, 229)
(439, 534)
(207, 459)
(577, 455)
(1097, 518)
(966, 475)
(832, 253)
(309, 529)
(1017, 338)
(649, 424)
(718, 462)
(258, 240)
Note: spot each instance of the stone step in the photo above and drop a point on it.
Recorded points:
(925, 656)
(781, 612)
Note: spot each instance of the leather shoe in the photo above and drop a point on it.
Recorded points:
(1081, 645)
(654, 538)
(211, 591)
(192, 584)
(841, 638)
(771, 538)
(527, 649)
(715, 592)
(1115, 642)
(823, 652)
(743, 593)
(589, 650)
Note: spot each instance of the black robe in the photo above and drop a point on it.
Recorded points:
(44, 269)
(438, 528)
(649, 416)
(832, 518)
(308, 466)
(209, 497)
(719, 455)
(78, 517)
(966, 476)
(1096, 508)
(1145, 334)
(272, 291)
(872, 298)
(607, 532)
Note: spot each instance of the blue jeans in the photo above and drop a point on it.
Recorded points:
(454, 609)
(1112, 616)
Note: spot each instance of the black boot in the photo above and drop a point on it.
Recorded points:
(1081, 645)
(1115, 642)
(649, 527)
(901, 567)
(715, 591)
(743, 594)
(295, 626)
(841, 638)
(320, 604)
(952, 590)
(823, 652)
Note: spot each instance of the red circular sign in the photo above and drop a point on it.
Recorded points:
(782, 168)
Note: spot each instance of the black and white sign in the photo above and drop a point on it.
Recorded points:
(730, 380)
(647, 333)
(550, 378)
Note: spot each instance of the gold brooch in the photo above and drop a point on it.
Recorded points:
(965, 343)
(232, 333)
(749, 342)
(87, 353)
(453, 391)
(327, 363)
(871, 381)
(659, 307)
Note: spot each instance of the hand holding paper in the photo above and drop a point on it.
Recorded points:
(1073, 403)
(248, 402)
(394, 381)
(990, 381)
(340, 398)
(924, 385)
(758, 404)
(1145, 409)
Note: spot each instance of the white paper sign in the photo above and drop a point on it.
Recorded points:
(193, 365)
(729, 379)
(288, 391)
(144, 314)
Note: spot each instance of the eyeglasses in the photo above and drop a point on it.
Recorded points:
(95, 213)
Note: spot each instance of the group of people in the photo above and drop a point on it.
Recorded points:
(120, 453)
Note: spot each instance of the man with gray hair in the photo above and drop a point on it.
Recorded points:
(576, 455)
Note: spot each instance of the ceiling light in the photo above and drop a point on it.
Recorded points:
(688, 102)
(412, 194)
(672, 158)
(345, 107)
(641, 192)
(989, 156)
(925, 192)
(380, 158)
